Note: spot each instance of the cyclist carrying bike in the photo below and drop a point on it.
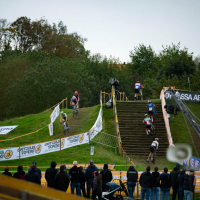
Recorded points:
(137, 89)
(150, 106)
(74, 102)
(76, 94)
(64, 119)
(148, 123)
(153, 148)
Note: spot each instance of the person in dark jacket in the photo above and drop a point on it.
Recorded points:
(97, 186)
(6, 172)
(32, 175)
(75, 175)
(189, 185)
(146, 182)
(173, 180)
(89, 176)
(132, 177)
(20, 174)
(61, 180)
(106, 177)
(180, 181)
(156, 185)
(164, 184)
(50, 174)
(82, 181)
(37, 169)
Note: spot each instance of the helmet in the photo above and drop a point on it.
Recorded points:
(156, 139)
(137, 81)
(75, 92)
(61, 112)
(149, 101)
(145, 114)
(73, 97)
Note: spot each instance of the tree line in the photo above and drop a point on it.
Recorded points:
(41, 64)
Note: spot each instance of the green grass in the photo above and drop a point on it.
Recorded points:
(179, 130)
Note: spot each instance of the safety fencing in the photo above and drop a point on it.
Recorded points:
(60, 104)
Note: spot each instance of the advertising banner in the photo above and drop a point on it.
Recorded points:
(51, 129)
(184, 96)
(9, 154)
(6, 129)
(55, 113)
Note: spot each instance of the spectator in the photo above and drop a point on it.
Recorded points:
(32, 175)
(6, 172)
(180, 181)
(82, 181)
(20, 174)
(173, 180)
(37, 169)
(89, 176)
(146, 182)
(75, 175)
(61, 180)
(189, 185)
(106, 177)
(165, 184)
(132, 177)
(156, 185)
(50, 174)
(97, 186)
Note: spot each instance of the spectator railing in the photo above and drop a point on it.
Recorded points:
(12, 188)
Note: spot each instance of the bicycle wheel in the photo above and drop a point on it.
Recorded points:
(65, 128)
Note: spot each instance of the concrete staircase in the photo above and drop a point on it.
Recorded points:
(133, 131)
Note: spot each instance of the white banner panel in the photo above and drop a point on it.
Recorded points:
(6, 129)
(51, 129)
(9, 154)
(55, 113)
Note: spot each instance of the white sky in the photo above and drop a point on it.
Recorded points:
(115, 27)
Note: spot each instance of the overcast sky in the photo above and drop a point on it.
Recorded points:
(115, 27)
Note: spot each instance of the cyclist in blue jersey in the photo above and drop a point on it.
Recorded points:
(150, 106)
(137, 89)
(147, 121)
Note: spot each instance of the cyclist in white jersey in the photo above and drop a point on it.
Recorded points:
(153, 147)
(137, 89)
(148, 123)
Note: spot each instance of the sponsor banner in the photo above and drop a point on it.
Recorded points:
(166, 118)
(9, 154)
(184, 96)
(116, 177)
(51, 129)
(192, 162)
(99, 166)
(97, 126)
(55, 113)
(6, 129)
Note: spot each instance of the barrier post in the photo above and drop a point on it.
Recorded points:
(63, 104)
(60, 145)
(19, 152)
(66, 103)
(104, 97)
(37, 136)
(123, 96)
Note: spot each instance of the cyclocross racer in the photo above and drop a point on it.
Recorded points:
(150, 106)
(153, 148)
(137, 89)
(76, 94)
(147, 120)
(64, 118)
(74, 101)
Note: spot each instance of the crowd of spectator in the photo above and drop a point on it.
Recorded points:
(151, 183)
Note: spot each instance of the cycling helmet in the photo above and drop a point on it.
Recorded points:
(73, 97)
(156, 139)
(76, 92)
(137, 81)
(149, 101)
(145, 114)
(61, 112)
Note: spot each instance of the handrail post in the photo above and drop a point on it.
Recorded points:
(66, 102)
(104, 97)
(123, 96)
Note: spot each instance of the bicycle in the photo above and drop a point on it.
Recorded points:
(154, 156)
(65, 128)
(75, 112)
(155, 113)
(141, 95)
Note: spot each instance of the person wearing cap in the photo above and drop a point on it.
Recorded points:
(147, 121)
(150, 106)
(61, 181)
(106, 177)
(33, 176)
(137, 89)
(132, 177)
(37, 169)
(75, 175)
(173, 177)
(153, 147)
(50, 174)
(89, 176)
